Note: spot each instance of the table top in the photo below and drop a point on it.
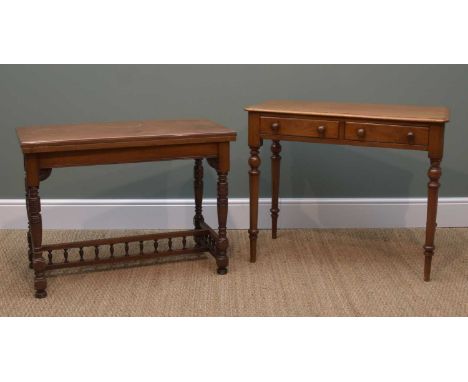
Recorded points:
(121, 134)
(436, 114)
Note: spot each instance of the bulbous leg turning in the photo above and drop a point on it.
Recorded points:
(434, 174)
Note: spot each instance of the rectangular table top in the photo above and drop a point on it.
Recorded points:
(51, 138)
(435, 114)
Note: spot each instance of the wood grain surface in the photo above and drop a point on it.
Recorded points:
(353, 110)
(120, 134)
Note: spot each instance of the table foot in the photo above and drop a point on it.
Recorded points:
(427, 267)
(253, 234)
(40, 293)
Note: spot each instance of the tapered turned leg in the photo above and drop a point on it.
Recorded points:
(275, 182)
(431, 223)
(254, 162)
(222, 243)
(35, 221)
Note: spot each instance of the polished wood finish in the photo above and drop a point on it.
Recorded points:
(254, 162)
(358, 136)
(222, 207)
(388, 126)
(33, 203)
(354, 110)
(275, 182)
(89, 136)
(128, 155)
(434, 174)
(436, 151)
(299, 127)
(48, 147)
(198, 192)
(104, 248)
(377, 132)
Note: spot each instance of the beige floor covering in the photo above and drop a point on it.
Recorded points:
(302, 273)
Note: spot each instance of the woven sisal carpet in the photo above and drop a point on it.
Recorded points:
(302, 273)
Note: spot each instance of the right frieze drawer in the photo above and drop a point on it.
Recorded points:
(387, 133)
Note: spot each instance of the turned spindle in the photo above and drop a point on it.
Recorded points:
(156, 244)
(141, 247)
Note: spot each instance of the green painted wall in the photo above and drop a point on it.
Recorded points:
(53, 94)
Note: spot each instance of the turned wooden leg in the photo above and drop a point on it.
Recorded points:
(35, 222)
(28, 235)
(275, 182)
(222, 243)
(431, 223)
(254, 162)
(198, 192)
(33, 206)
(30, 251)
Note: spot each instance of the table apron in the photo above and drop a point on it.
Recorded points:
(126, 155)
(347, 142)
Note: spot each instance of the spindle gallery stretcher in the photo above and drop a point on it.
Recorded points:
(48, 147)
(176, 244)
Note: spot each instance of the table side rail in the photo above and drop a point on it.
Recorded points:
(126, 155)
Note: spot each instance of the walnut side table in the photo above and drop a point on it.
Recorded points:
(390, 126)
(48, 147)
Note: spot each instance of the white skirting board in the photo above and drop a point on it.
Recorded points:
(178, 213)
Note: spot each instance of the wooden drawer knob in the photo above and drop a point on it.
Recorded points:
(321, 130)
(411, 138)
(275, 126)
(361, 133)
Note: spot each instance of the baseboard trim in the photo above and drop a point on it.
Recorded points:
(177, 213)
